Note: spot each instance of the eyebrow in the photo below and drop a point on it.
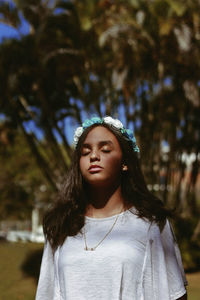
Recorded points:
(101, 143)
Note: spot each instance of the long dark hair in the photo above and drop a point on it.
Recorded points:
(66, 215)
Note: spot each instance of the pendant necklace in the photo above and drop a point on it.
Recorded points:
(94, 248)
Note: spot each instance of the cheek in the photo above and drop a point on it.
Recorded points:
(82, 164)
(113, 163)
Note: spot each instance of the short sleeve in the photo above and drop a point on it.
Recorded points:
(48, 287)
(163, 276)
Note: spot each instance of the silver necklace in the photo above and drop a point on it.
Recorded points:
(94, 248)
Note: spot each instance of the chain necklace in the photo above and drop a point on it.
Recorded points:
(94, 248)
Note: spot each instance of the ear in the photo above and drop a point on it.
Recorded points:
(124, 167)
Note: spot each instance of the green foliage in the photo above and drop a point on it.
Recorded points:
(188, 245)
(9, 14)
(20, 177)
(99, 57)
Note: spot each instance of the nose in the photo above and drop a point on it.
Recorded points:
(94, 156)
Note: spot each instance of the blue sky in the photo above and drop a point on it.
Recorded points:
(7, 31)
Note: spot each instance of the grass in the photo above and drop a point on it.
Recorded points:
(193, 288)
(14, 283)
(19, 270)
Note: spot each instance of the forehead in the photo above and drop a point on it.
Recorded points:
(100, 133)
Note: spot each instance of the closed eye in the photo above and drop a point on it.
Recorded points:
(84, 153)
(106, 150)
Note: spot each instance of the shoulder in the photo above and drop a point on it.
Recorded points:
(151, 229)
(164, 238)
(140, 226)
(134, 215)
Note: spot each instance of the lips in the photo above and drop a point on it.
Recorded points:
(94, 168)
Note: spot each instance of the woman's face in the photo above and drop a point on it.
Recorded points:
(101, 158)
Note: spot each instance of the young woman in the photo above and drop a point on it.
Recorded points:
(107, 236)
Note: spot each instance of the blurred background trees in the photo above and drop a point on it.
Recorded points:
(136, 60)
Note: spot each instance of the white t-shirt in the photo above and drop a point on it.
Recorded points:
(134, 262)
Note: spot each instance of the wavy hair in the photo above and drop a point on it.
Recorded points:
(67, 214)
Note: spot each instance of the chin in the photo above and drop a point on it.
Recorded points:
(101, 182)
(97, 182)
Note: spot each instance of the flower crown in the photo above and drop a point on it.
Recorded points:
(106, 120)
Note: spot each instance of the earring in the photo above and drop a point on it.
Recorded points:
(124, 168)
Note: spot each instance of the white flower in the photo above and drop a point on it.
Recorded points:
(108, 120)
(115, 122)
(78, 133)
(118, 124)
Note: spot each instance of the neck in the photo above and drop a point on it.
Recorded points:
(104, 201)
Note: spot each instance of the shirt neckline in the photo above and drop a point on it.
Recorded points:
(107, 218)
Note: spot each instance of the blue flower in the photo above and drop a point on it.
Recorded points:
(87, 123)
(96, 120)
(136, 148)
(123, 130)
(130, 133)
(133, 140)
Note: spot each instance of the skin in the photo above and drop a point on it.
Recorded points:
(102, 148)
